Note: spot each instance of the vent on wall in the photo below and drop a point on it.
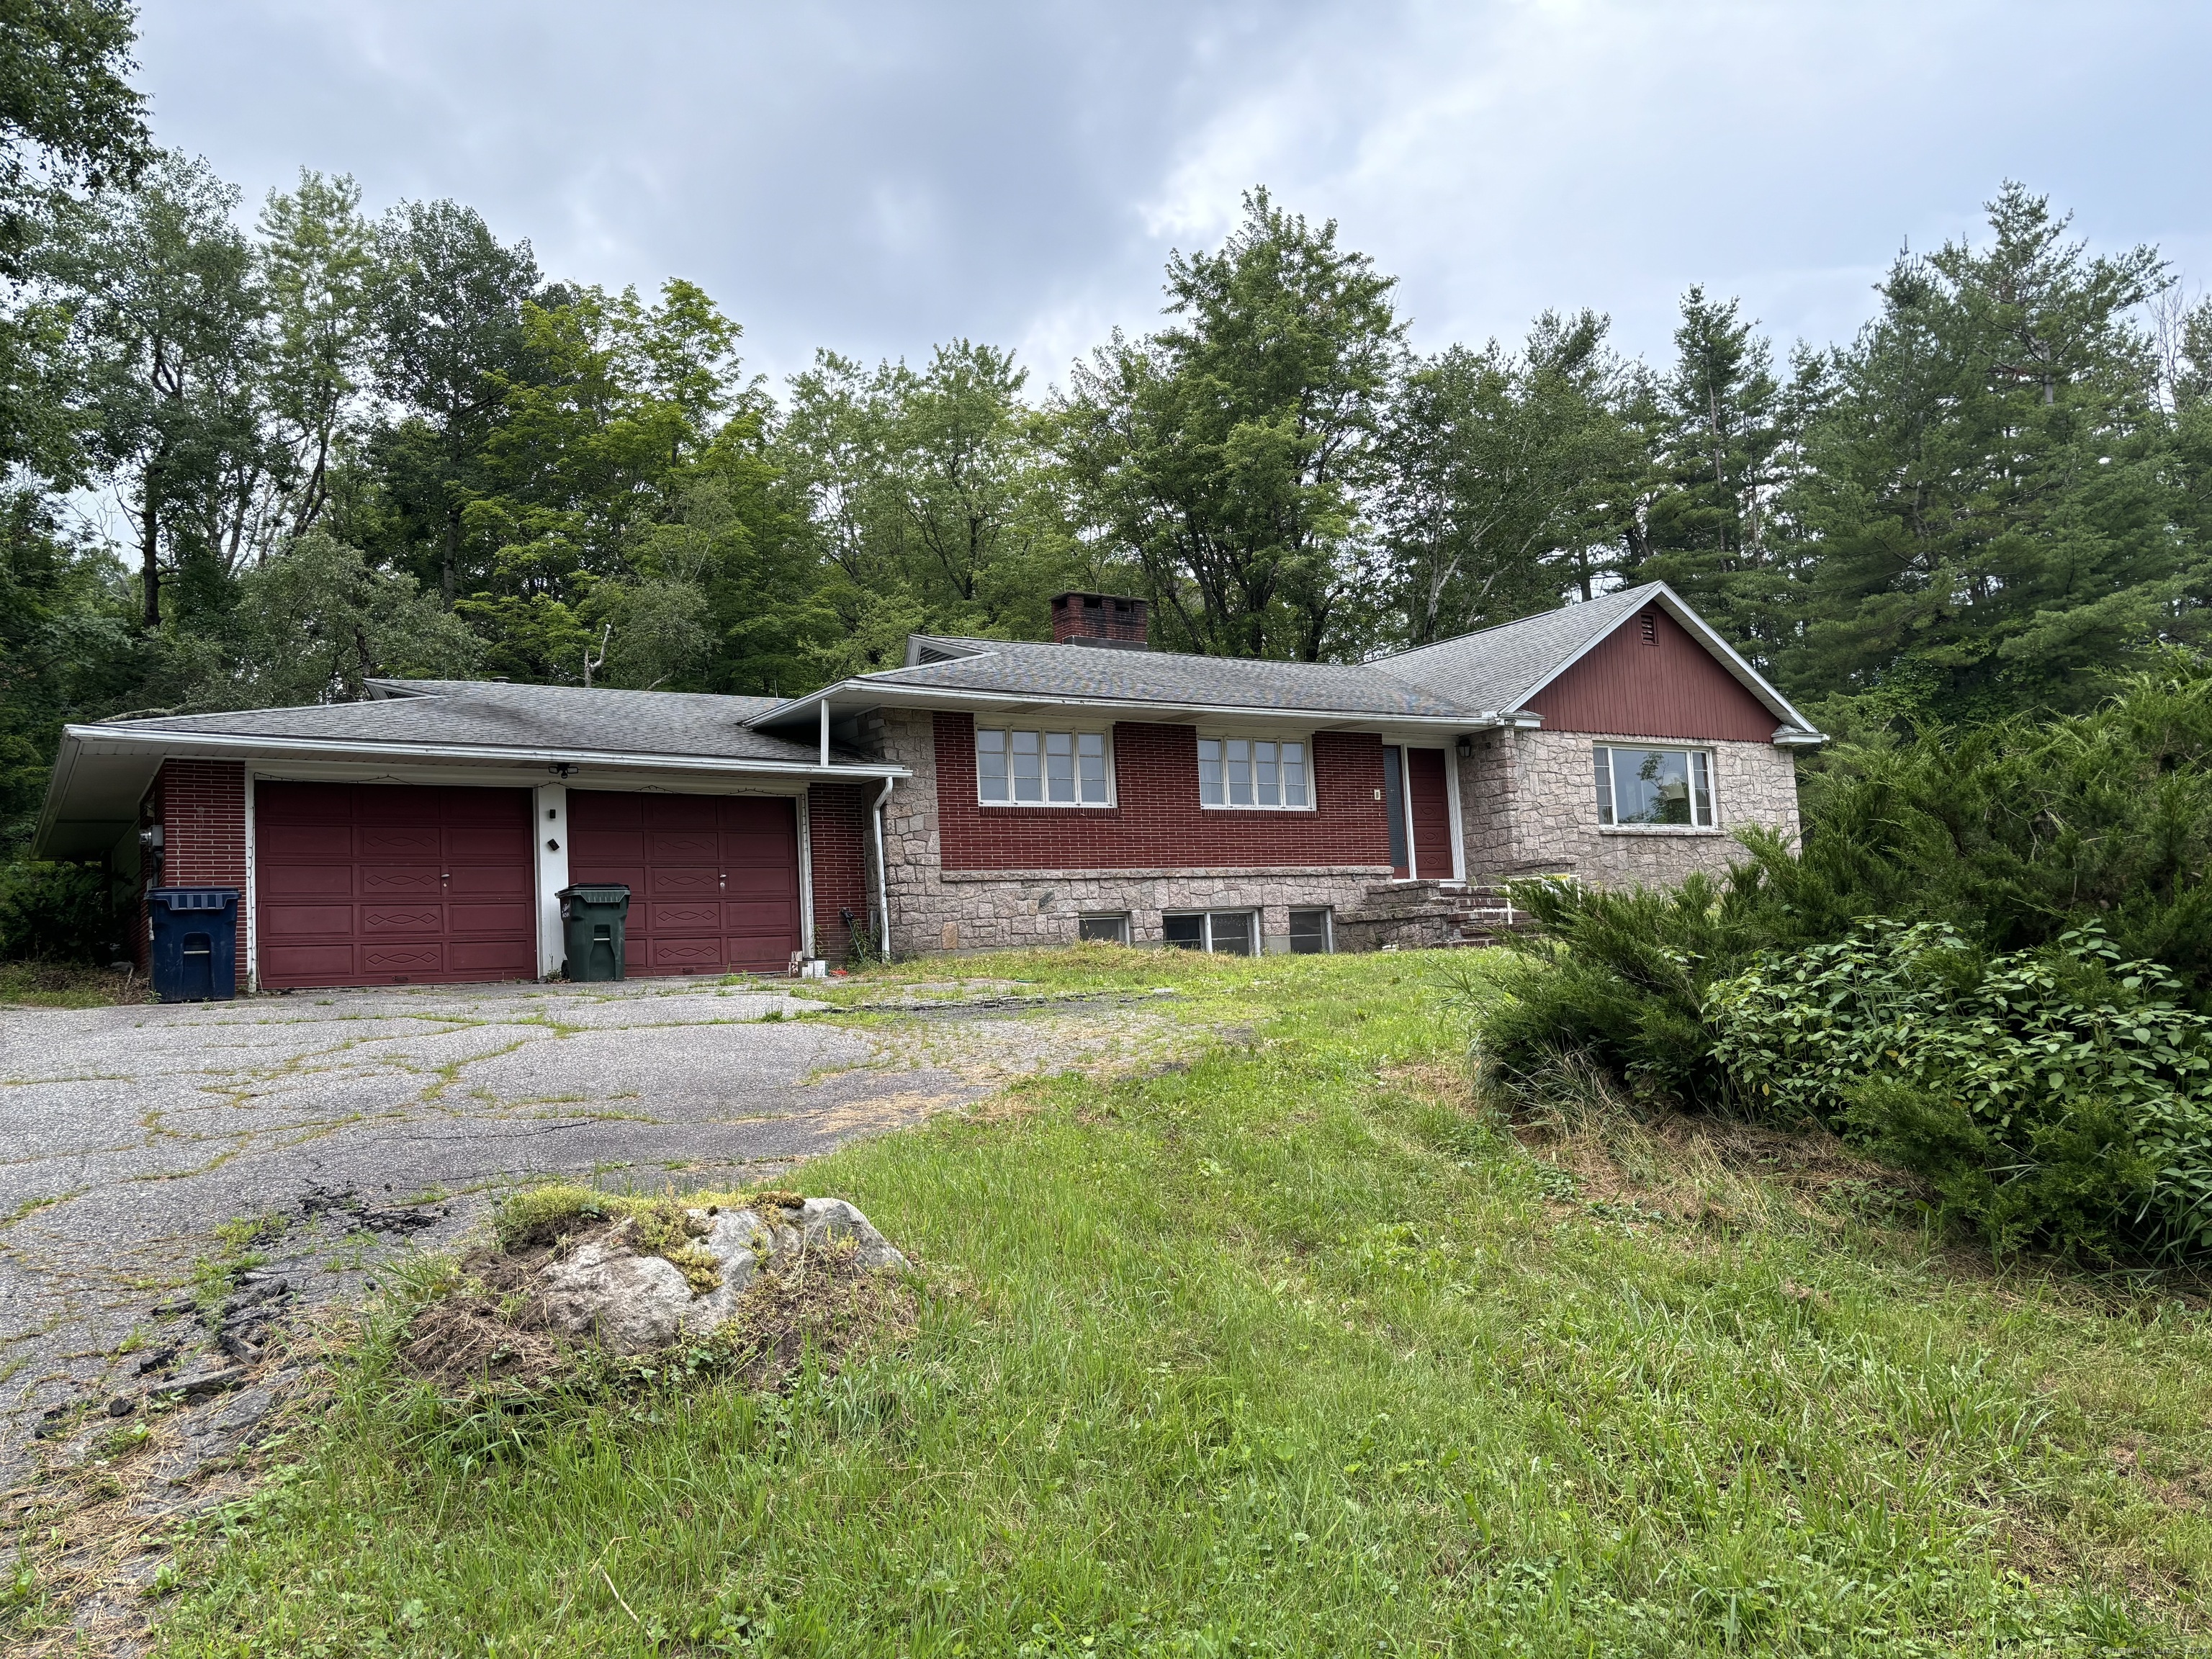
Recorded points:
(1650, 623)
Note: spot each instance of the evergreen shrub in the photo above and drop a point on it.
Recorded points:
(57, 913)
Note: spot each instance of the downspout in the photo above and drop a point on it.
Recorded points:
(882, 884)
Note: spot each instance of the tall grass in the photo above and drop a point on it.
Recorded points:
(1295, 1351)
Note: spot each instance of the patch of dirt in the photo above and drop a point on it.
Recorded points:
(824, 1304)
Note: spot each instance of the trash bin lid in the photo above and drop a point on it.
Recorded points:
(611, 893)
(194, 898)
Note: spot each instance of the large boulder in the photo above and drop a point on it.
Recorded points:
(634, 1301)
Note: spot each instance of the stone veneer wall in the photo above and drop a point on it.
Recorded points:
(1528, 805)
(935, 910)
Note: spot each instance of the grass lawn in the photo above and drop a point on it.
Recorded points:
(1294, 1351)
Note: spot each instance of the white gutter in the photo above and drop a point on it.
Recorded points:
(883, 882)
(1356, 718)
(165, 742)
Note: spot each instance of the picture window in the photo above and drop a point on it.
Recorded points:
(1654, 789)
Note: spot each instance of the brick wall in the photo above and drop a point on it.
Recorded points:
(1201, 863)
(1157, 821)
(1528, 805)
(837, 844)
(200, 807)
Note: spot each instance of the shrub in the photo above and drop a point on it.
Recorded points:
(58, 912)
(2062, 1094)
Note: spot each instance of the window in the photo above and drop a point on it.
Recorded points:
(1041, 768)
(1104, 930)
(1228, 931)
(1309, 932)
(1654, 789)
(1262, 773)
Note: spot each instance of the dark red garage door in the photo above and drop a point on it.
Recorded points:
(713, 880)
(389, 884)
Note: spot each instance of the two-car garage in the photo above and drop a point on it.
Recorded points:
(375, 884)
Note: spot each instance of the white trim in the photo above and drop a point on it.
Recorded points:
(1302, 736)
(883, 880)
(550, 866)
(1451, 806)
(1406, 787)
(825, 731)
(803, 823)
(249, 913)
(167, 744)
(866, 692)
(1104, 734)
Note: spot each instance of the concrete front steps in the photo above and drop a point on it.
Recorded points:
(1427, 916)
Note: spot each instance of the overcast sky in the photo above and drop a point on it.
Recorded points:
(877, 178)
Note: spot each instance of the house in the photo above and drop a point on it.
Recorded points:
(988, 793)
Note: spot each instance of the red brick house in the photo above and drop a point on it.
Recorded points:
(988, 794)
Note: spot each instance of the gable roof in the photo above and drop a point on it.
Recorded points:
(1478, 680)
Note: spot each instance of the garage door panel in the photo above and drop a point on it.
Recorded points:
(356, 884)
(387, 883)
(695, 856)
(290, 921)
(306, 881)
(325, 964)
(415, 845)
(404, 919)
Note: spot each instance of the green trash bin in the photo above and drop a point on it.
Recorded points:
(592, 920)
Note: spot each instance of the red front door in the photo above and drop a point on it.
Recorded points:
(1430, 800)
(714, 879)
(392, 884)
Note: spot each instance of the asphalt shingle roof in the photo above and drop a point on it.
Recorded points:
(1500, 668)
(1028, 668)
(491, 714)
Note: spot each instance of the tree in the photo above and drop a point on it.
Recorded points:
(1987, 473)
(160, 288)
(1508, 476)
(1720, 443)
(317, 621)
(931, 499)
(1230, 456)
(449, 346)
(319, 266)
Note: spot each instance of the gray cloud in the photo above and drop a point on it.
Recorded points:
(877, 178)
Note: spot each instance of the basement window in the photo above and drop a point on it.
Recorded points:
(1260, 773)
(1104, 930)
(1654, 789)
(1311, 933)
(1225, 932)
(1017, 768)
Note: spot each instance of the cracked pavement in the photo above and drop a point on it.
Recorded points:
(128, 1135)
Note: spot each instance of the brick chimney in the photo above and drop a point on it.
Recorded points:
(1101, 619)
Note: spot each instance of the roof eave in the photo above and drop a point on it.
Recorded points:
(864, 693)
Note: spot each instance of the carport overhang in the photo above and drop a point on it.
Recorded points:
(102, 773)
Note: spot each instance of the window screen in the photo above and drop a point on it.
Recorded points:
(1653, 787)
(1041, 768)
(1309, 932)
(1255, 771)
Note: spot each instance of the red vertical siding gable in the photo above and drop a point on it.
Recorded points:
(1669, 686)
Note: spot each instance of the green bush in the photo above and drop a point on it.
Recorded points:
(2061, 1095)
(58, 912)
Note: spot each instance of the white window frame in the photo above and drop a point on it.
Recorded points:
(1303, 739)
(1328, 914)
(1043, 729)
(1206, 930)
(1120, 917)
(1700, 772)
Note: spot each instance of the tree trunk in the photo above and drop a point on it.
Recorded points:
(149, 548)
(445, 574)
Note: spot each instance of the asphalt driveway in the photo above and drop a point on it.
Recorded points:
(363, 1122)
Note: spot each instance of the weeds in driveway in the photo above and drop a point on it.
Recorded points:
(1302, 1348)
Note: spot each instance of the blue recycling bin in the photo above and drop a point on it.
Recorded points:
(195, 943)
